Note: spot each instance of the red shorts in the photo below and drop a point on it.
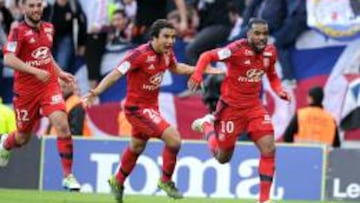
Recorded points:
(231, 122)
(29, 108)
(146, 122)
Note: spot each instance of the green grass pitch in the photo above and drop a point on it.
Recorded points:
(32, 196)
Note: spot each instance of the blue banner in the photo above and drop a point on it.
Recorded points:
(299, 173)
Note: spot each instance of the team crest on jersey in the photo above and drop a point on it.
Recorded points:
(151, 67)
(151, 59)
(32, 41)
(247, 62)
(249, 52)
(29, 32)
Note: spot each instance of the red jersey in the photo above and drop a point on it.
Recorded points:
(145, 69)
(242, 84)
(32, 46)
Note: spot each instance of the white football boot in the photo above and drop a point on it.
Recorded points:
(197, 125)
(4, 153)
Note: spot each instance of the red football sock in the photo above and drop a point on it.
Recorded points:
(266, 173)
(169, 162)
(10, 142)
(128, 161)
(65, 149)
(210, 135)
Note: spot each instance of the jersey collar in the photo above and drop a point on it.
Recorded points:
(33, 28)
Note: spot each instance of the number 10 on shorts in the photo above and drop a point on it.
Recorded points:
(227, 126)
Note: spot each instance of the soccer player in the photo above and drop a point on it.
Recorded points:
(240, 107)
(36, 87)
(145, 67)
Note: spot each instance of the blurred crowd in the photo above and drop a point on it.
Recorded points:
(85, 29)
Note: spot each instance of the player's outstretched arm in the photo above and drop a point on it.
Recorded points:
(105, 83)
(275, 84)
(17, 64)
(205, 59)
(214, 71)
(182, 68)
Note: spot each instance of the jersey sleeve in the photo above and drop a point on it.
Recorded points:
(226, 52)
(131, 62)
(13, 43)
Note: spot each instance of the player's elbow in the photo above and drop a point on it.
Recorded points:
(206, 56)
(204, 59)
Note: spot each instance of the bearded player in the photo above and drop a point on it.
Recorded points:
(240, 107)
(36, 88)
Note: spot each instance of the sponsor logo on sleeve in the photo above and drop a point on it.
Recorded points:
(11, 46)
(124, 67)
(224, 53)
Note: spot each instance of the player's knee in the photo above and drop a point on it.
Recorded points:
(137, 148)
(223, 160)
(175, 143)
(23, 139)
(63, 129)
(269, 149)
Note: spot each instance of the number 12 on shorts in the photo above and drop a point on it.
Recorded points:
(22, 115)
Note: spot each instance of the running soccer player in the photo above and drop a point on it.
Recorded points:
(240, 107)
(36, 87)
(145, 67)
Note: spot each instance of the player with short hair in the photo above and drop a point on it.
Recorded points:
(145, 67)
(36, 88)
(240, 107)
